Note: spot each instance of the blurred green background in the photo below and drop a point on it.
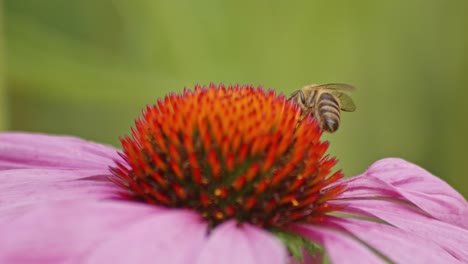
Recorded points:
(88, 67)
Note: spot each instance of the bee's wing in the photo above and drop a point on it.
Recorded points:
(346, 102)
(337, 87)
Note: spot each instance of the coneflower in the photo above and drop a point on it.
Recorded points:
(219, 175)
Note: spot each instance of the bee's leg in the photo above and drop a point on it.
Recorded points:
(303, 116)
(301, 94)
(299, 121)
(312, 99)
(303, 99)
(293, 94)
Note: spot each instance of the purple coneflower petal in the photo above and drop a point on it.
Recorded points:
(26, 150)
(171, 236)
(399, 179)
(339, 247)
(22, 188)
(66, 232)
(449, 237)
(414, 201)
(229, 243)
(405, 247)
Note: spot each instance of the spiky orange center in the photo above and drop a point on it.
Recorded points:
(230, 153)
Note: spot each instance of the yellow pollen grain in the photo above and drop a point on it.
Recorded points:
(217, 192)
(294, 202)
(219, 216)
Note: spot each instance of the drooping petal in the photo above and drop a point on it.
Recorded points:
(338, 246)
(395, 243)
(365, 187)
(21, 189)
(450, 237)
(397, 178)
(67, 232)
(26, 150)
(173, 236)
(246, 244)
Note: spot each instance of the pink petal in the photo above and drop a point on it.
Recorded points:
(450, 237)
(229, 243)
(339, 247)
(396, 244)
(68, 232)
(23, 188)
(174, 236)
(23, 150)
(364, 186)
(400, 179)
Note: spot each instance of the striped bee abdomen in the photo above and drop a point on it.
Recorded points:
(328, 112)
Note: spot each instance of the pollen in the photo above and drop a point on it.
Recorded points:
(230, 152)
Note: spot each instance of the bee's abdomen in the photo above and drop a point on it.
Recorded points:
(329, 112)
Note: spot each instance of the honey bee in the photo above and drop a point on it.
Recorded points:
(325, 102)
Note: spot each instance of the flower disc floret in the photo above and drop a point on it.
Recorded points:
(233, 152)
